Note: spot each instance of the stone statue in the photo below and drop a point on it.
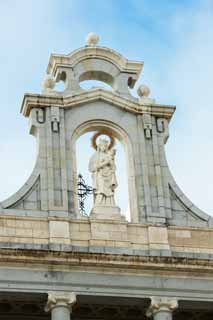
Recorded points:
(102, 166)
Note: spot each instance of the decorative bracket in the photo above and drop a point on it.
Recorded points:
(55, 118)
(147, 124)
(162, 127)
(40, 116)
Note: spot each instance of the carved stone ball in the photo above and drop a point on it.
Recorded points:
(143, 91)
(92, 39)
(48, 82)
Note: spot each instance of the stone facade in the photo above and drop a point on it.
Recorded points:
(161, 261)
(105, 236)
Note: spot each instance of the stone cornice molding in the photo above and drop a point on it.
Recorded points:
(159, 304)
(58, 299)
(102, 53)
(31, 101)
(16, 255)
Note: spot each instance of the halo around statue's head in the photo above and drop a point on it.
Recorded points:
(100, 133)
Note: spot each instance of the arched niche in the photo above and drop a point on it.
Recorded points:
(122, 136)
(84, 152)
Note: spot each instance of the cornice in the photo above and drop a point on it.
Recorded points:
(31, 101)
(88, 52)
(146, 264)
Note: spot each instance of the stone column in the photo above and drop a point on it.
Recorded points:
(161, 308)
(60, 305)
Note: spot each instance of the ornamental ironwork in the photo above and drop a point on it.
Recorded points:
(84, 190)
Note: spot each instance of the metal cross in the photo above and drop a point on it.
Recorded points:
(83, 191)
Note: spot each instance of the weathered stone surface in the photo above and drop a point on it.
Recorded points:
(107, 234)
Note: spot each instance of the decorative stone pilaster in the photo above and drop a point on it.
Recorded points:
(60, 304)
(161, 308)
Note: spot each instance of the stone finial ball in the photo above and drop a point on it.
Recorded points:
(92, 39)
(143, 91)
(48, 82)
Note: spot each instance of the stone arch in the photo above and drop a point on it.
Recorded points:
(97, 75)
(95, 69)
(122, 136)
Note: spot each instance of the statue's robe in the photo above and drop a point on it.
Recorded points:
(104, 179)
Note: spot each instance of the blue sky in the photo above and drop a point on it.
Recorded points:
(174, 39)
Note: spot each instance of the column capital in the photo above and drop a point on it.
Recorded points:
(60, 299)
(159, 304)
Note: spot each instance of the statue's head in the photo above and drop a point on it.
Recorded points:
(103, 145)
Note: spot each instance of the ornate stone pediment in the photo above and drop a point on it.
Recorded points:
(58, 119)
